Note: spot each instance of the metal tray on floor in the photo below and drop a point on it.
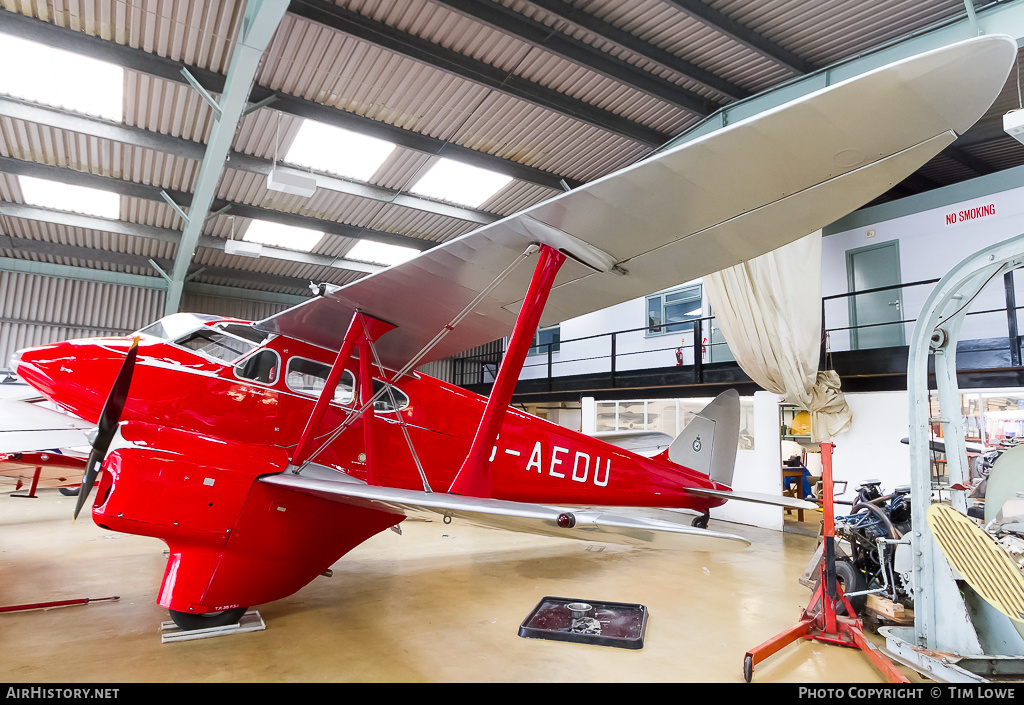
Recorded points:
(605, 624)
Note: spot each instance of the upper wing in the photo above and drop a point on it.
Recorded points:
(589, 524)
(705, 205)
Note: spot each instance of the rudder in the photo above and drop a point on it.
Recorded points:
(708, 443)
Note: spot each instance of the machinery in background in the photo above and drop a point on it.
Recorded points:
(872, 553)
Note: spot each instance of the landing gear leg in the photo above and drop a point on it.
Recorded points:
(701, 522)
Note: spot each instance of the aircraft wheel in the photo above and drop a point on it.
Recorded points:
(701, 522)
(207, 620)
(68, 491)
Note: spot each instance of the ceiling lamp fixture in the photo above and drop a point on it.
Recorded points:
(288, 181)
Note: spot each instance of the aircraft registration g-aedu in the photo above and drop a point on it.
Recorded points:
(261, 453)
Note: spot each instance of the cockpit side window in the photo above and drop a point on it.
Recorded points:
(383, 403)
(262, 367)
(309, 377)
(216, 344)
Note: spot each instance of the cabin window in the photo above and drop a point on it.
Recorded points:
(309, 377)
(262, 367)
(383, 402)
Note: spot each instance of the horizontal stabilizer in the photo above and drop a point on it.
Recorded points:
(645, 443)
(564, 522)
(27, 427)
(778, 501)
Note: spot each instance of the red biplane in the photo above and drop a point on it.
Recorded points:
(261, 453)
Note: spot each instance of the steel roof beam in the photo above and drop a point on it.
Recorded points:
(1002, 18)
(50, 249)
(168, 235)
(168, 69)
(178, 146)
(538, 34)
(133, 189)
(484, 74)
(744, 35)
(258, 26)
(638, 46)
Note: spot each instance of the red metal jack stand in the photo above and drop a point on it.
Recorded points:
(819, 620)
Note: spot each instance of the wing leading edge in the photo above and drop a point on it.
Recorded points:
(587, 525)
(707, 204)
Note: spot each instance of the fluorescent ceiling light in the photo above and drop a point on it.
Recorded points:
(284, 236)
(453, 181)
(64, 197)
(61, 79)
(379, 253)
(337, 151)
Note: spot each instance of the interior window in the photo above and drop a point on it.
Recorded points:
(263, 367)
(309, 377)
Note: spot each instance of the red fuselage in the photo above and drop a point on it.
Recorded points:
(211, 422)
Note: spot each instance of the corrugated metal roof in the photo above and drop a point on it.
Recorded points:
(439, 108)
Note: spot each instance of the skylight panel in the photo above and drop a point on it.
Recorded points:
(336, 151)
(59, 78)
(287, 237)
(65, 197)
(380, 253)
(453, 181)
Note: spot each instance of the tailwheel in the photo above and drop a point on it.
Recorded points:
(207, 620)
(701, 522)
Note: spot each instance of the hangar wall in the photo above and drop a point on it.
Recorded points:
(36, 309)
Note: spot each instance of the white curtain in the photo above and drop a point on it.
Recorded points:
(769, 310)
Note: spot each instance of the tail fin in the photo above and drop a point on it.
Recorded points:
(708, 443)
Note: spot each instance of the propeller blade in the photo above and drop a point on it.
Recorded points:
(107, 427)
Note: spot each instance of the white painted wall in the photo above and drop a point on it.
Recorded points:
(758, 470)
(929, 248)
(871, 448)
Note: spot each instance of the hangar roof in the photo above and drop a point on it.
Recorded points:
(546, 94)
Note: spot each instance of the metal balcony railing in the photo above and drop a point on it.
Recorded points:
(848, 324)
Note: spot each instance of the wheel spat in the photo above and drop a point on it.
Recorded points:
(107, 426)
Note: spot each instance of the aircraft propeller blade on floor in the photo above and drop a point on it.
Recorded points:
(107, 427)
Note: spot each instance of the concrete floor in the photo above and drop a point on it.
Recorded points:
(436, 604)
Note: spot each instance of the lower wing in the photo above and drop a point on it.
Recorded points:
(545, 520)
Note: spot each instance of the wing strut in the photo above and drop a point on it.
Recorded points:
(361, 329)
(474, 477)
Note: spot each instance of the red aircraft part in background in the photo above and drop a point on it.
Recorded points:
(41, 469)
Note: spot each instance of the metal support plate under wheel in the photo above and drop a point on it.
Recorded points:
(251, 621)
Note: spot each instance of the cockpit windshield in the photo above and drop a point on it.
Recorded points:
(226, 341)
(176, 325)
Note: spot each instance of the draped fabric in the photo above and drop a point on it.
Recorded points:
(769, 310)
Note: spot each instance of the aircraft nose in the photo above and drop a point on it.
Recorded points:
(14, 361)
(76, 374)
